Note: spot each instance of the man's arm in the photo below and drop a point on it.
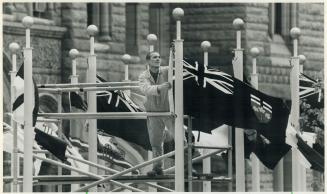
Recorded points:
(146, 87)
(152, 90)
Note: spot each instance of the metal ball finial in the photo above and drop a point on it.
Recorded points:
(152, 38)
(178, 13)
(238, 24)
(126, 58)
(205, 45)
(14, 47)
(254, 52)
(302, 59)
(92, 30)
(28, 21)
(295, 32)
(73, 53)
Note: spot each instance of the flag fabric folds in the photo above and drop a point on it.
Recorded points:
(19, 101)
(8, 144)
(316, 159)
(215, 98)
(53, 144)
(311, 91)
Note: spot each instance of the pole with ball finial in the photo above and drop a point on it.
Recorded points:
(178, 13)
(239, 133)
(28, 108)
(92, 30)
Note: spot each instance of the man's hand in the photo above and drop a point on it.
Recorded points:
(164, 87)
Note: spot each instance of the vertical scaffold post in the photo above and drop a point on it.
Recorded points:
(73, 53)
(92, 101)
(239, 133)
(295, 111)
(14, 47)
(205, 45)
(28, 109)
(302, 59)
(59, 100)
(151, 38)
(178, 13)
(254, 160)
(189, 154)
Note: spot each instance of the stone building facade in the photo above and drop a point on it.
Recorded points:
(123, 28)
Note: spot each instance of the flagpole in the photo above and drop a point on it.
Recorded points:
(254, 159)
(152, 38)
(205, 45)
(302, 60)
(28, 109)
(73, 53)
(239, 133)
(92, 102)
(14, 48)
(178, 13)
(295, 110)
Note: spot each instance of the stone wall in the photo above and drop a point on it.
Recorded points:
(311, 44)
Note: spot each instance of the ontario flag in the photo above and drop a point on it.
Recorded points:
(214, 98)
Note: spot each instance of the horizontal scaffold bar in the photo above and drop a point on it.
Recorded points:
(212, 147)
(83, 85)
(48, 120)
(71, 179)
(105, 115)
(85, 89)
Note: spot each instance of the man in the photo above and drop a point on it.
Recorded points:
(154, 84)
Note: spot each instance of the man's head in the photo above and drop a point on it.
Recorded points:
(153, 59)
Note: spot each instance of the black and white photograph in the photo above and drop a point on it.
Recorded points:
(155, 96)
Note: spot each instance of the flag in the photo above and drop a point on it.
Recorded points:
(54, 145)
(19, 101)
(214, 98)
(316, 159)
(8, 144)
(311, 91)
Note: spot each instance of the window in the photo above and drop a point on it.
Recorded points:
(282, 17)
(99, 14)
(131, 29)
(278, 19)
(40, 9)
(155, 22)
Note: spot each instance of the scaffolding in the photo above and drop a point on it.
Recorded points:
(91, 178)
